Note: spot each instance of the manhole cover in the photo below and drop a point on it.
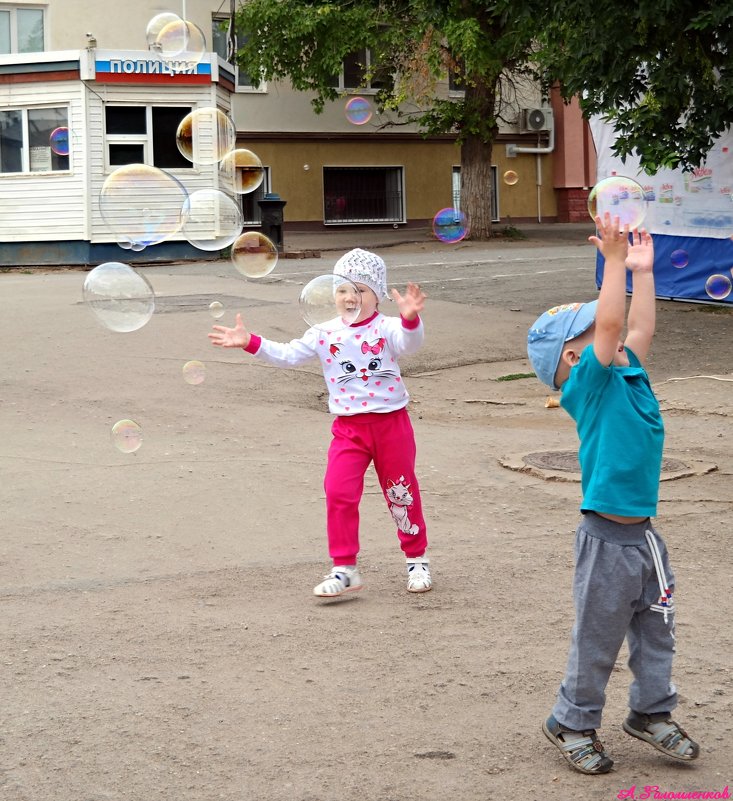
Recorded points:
(567, 461)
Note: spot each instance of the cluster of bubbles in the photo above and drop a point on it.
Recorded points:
(717, 286)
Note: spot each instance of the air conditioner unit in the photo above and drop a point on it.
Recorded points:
(534, 120)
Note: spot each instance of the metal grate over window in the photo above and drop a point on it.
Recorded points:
(363, 195)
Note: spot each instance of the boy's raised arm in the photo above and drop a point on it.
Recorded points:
(613, 244)
(642, 312)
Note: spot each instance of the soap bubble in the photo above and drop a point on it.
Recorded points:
(621, 197)
(510, 178)
(358, 111)
(450, 225)
(216, 309)
(679, 259)
(212, 220)
(194, 372)
(142, 204)
(206, 135)
(718, 287)
(240, 172)
(121, 299)
(330, 301)
(127, 436)
(156, 25)
(180, 43)
(59, 140)
(254, 255)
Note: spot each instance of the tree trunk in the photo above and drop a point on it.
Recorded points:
(476, 147)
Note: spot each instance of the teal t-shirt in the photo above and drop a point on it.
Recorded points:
(621, 435)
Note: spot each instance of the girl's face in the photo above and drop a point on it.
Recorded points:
(347, 301)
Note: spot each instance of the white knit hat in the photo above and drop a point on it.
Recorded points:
(363, 267)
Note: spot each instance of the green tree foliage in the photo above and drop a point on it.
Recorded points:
(487, 46)
(660, 70)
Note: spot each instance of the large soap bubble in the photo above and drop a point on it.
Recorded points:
(212, 220)
(254, 255)
(621, 197)
(206, 135)
(330, 301)
(180, 42)
(240, 172)
(156, 25)
(141, 204)
(121, 299)
(126, 436)
(450, 225)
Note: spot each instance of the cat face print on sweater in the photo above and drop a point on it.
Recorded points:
(367, 367)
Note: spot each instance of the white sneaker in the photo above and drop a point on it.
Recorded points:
(340, 580)
(418, 574)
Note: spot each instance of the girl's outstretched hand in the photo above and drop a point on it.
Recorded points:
(411, 303)
(237, 337)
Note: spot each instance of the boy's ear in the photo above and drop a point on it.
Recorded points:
(570, 356)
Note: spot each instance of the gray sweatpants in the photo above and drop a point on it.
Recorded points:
(616, 592)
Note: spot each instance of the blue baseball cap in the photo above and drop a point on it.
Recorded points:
(549, 333)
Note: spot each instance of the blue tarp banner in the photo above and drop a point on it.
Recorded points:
(690, 216)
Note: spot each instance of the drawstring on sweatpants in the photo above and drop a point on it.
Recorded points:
(665, 604)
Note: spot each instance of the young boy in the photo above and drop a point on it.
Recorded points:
(623, 582)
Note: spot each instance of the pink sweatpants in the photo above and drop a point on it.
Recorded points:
(389, 441)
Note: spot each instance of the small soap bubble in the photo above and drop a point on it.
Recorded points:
(121, 299)
(127, 436)
(194, 372)
(358, 111)
(216, 309)
(679, 259)
(205, 135)
(718, 287)
(240, 172)
(450, 225)
(510, 177)
(254, 255)
(59, 141)
(141, 204)
(621, 197)
(212, 220)
(330, 301)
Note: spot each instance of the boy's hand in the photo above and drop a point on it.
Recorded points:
(411, 303)
(237, 337)
(640, 255)
(612, 242)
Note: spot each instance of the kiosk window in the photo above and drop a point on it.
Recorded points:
(144, 135)
(34, 140)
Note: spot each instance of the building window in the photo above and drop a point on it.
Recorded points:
(360, 71)
(456, 187)
(21, 30)
(34, 140)
(144, 135)
(363, 195)
(225, 44)
(250, 208)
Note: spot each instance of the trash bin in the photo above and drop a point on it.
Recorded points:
(272, 218)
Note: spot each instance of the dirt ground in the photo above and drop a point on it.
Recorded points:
(160, 641)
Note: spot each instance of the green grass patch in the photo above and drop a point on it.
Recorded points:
(515, 376)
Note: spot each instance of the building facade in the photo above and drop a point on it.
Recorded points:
(88, 67)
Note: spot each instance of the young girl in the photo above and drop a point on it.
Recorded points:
(369, 400)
